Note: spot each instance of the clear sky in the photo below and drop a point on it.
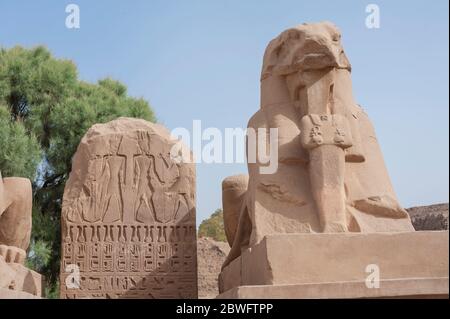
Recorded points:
(201, 60)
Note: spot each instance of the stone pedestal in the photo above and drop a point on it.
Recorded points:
(343, 265)
(14, 294)
(19, 282)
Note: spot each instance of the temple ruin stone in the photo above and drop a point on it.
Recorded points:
(16, 280)
(330, 209)
(128, 216)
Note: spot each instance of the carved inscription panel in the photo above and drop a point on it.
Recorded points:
(128, 219)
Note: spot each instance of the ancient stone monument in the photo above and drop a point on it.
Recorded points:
(128, 216)
(16, 281)
(328, 217)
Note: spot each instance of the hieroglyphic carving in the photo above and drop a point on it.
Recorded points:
(129, 216)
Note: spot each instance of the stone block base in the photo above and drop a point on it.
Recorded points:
(409, 264)
(14, 294)
(400, 288)
(19, 282)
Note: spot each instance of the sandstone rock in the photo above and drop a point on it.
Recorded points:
(234, 189)
(14, 294)
(330, 265)
(15, 218)
(331, 184)
(331, 175)
(128, 216)
(7, 274)
(211, 255)
(27, 280)
(432, 217)
(16, 281)
(16, 278)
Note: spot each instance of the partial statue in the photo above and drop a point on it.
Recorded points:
(15, 218)
(328, 217)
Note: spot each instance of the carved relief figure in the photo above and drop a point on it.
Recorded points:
(143, 168)
(113, 211)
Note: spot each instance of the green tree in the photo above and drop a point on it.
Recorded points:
(20, 151)
(44, 112)
(213, 227)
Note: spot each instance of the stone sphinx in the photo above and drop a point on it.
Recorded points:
(331, 176)
(16, 281)
(128, 216)
(331, 180)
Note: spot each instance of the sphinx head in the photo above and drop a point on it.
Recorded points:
(305, 48)
(302, 55)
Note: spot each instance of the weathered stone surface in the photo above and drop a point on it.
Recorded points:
(413, 288)
(234, 189)
(27, 280)
(330, 209)
(211, 255)
(16, 281)
(14, 294)
(7, 274)
(331, 175)
(128, 216)
(316, 258)
(15, 218)
(432, 217)
(302, 259)
(18, 278)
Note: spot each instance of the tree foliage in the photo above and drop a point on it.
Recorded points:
(44, 112)
(20, 151)
(213, 227)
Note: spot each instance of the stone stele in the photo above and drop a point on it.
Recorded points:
(128, 216)
(329, 216)
(16, 281)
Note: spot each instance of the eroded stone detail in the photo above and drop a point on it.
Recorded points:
(128, 216)
(15, 231)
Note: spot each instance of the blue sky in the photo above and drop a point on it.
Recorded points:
(201, 60)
